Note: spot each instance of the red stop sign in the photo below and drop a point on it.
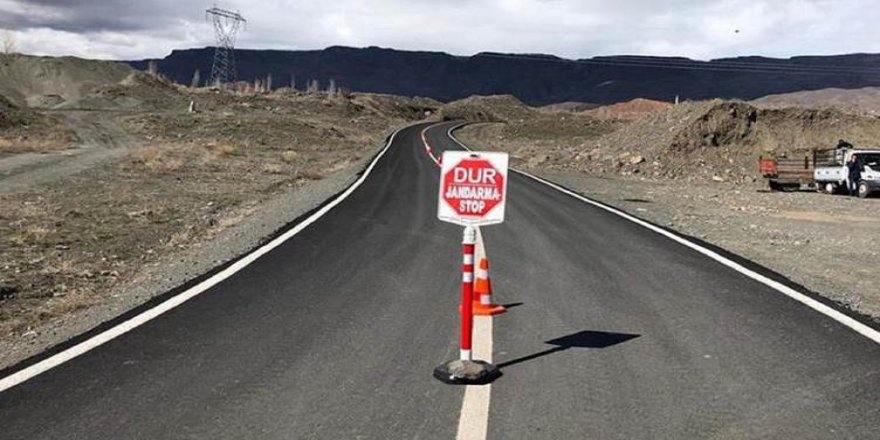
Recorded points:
(473, 187)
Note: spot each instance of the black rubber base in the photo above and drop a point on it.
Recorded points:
(460, 372)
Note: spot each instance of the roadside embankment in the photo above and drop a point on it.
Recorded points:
(187, 192)
(823, 242)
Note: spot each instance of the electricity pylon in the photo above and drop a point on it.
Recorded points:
(226, 27)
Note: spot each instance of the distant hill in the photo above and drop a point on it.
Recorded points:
(865, 100)
(629, 110)
(535, 79)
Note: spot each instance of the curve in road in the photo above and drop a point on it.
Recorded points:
(334, 334)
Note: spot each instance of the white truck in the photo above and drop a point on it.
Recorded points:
(831, 172)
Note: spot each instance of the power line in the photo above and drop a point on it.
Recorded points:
(733, 63)
(699, 65)
(704, 66)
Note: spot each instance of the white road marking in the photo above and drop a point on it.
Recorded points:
(428, 147)
(480, 251)
(141, 319)
(473, 424)
(818, 306)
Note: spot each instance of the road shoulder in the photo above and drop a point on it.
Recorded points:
(812, 239)
(176, 269)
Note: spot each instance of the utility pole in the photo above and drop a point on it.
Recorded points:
(226, 27)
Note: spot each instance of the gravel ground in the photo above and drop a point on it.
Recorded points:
(823, 242)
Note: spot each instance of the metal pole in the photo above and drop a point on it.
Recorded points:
(467, 292)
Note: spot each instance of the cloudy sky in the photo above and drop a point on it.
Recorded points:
(703, 29)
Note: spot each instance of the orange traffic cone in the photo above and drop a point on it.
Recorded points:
(483, 292)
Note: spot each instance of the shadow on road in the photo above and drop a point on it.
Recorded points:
(583, 339)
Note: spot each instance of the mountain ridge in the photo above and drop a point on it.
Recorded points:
(537, 79)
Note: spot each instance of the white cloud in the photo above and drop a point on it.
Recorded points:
(100, 45)
(571, 28)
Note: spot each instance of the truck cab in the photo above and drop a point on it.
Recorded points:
(831, 172)
(870, 181)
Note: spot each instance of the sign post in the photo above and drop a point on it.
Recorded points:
(473, 192)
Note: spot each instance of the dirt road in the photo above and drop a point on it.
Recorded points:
(98, 139)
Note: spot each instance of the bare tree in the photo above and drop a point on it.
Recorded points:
(197, 79)
(269, 82)
(153, 67)
(331, 87)
(258, 85)
(9, 44)
(314, 86)
(293, 82)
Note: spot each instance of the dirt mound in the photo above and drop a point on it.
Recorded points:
(865, 100)
(74, 83)
(496, 108)
(741, 124)
(723, 123)
(708, 140)
(137, 91)
(633, 109)
(720, 140)
(25, 77)
(396, 106)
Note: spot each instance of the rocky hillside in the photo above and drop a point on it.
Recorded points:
(706, 140)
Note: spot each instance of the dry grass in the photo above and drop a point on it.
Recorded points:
(158, 158)
(220, 149)
(289, 156)
(178, 239)
(74, 243)
(47, 145)
(30, 318)
(273, 168)
(166, 157)
(310, 175)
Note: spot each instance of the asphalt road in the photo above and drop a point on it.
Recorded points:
(620, 333)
